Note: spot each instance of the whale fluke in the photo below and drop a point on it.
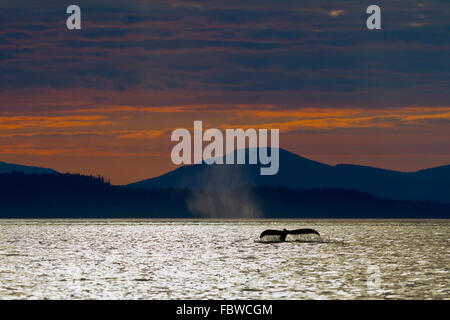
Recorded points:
(283, 233)
(303, 231)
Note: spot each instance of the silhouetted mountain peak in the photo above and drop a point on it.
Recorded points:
(299, 172)
(10, 168)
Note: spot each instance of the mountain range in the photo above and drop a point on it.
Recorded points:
(302, 188)
(298, 172)
(37, 196)
(10, 168)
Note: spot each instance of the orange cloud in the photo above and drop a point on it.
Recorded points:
(142, 134)
(336, 13)
(442, 116)
(125, 108)
(28, 149)
(19, 122)
(326, 119)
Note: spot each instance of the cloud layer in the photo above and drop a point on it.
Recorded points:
(138, 69)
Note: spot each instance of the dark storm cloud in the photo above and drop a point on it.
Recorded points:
(244, 49)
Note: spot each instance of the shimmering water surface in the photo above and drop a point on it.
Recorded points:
(205, 259)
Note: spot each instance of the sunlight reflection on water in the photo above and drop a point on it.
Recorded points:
(222, 259)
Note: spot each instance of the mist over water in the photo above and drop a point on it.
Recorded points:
(206, 203)
(222, 259)
(223, 204)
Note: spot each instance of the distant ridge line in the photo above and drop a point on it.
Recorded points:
(10, 168)
(432, 184)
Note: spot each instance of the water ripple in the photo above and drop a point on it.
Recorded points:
(203, 259)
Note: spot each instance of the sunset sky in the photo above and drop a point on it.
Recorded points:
(104, 100)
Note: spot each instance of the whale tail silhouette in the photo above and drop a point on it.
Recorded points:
(283, 233)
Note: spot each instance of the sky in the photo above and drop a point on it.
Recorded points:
(105, 99)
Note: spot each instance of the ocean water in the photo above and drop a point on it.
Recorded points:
(223, 259)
